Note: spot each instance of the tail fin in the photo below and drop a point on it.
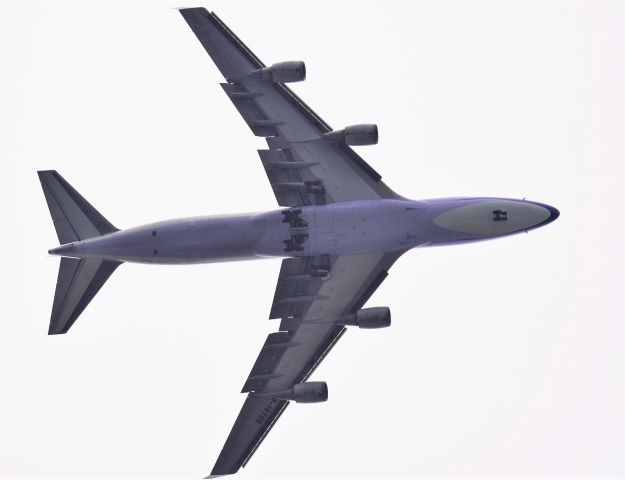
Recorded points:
(74, 218)
(79, 279)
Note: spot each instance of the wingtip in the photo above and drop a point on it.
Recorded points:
(51, 331)
(182, 9)
(43, 172)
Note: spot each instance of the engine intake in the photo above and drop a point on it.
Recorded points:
(365, 134)
(308, 392)
(375, 317)
(283, 72)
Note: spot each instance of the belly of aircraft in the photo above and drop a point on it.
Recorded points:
(347, 228)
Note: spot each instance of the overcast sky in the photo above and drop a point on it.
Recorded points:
(505, 358)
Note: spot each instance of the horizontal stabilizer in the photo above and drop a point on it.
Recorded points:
(77, 284)
(74, 217)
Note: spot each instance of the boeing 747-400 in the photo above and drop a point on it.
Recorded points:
(339, 229)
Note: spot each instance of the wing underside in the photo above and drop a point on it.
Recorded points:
(302, 168)
(306, 296)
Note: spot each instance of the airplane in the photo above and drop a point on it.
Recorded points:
(339, 230)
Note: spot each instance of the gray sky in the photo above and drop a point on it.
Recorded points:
(505, 359)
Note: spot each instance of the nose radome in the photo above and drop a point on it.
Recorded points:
(555, 213)
(542, 214)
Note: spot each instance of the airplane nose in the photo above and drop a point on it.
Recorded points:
(553, 213)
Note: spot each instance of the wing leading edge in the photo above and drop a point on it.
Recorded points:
(308, 297)
(302, 167)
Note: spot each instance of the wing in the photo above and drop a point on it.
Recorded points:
(312, 293)
(303, 166)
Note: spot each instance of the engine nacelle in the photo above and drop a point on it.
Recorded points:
(375, 317)
(308, 392)
(365, 134)
(283, 72)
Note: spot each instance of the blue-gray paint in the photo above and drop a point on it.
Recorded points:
(337, 229)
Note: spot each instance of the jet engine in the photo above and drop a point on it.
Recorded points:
(283, 72)
(308, 392)
(375, 317)
(365, 134)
